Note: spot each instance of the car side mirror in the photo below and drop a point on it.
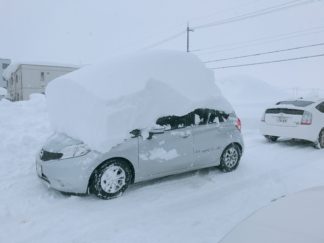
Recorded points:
(136, 133)
(155, 131)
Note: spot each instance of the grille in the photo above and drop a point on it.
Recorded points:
(284, 111)
(45, 155)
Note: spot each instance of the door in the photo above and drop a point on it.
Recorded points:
(208, 144)
(167, 152)
(209, 137)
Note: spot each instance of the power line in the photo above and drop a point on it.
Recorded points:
(252, 14)
(225, 10)
(167, 39)
(266, 39)
(268, 62)
(256, 13)
(264, 53)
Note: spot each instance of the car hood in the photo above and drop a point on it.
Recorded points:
(58, 141)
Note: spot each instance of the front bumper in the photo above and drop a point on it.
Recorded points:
(67, 175)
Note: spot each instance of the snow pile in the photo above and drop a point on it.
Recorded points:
(192, 207)
(297, 218)
(101, 104)
(312, 94)
(249, 90)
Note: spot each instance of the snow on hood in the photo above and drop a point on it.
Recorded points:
(101, 104)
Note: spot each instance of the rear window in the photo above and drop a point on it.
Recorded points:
(285, 111)
(298, 103)
(320, 107)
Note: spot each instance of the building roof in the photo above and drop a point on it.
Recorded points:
(15, 65)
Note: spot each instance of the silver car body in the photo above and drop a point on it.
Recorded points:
(166, 153)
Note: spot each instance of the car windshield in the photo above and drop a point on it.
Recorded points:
(299, 103)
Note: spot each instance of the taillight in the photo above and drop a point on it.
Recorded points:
(238, 124)
(263, 117)
(306, 118)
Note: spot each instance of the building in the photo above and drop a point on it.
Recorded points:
(24, 79)
(4, 63)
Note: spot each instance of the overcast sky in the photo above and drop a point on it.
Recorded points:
(82, 32)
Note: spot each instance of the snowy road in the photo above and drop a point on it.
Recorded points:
(194, 207)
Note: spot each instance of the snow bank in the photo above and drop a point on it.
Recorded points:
(174, 209)
(101, 104)
(245, 89)
(297, 218)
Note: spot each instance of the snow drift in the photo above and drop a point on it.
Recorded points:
(248, 89)
(101, 104)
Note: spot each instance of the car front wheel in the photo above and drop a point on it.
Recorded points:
(111, 179)
(230, 158)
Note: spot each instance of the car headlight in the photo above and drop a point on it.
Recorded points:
(74, 151)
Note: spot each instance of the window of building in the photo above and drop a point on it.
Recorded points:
(5, 65)
(42, 76)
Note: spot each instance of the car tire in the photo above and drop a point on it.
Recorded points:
(111, 179)
(320, 142)
(271, 139)
(230, 158)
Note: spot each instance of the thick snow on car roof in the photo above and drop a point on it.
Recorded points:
(101, 104)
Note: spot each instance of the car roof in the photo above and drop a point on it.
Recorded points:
(314, 99)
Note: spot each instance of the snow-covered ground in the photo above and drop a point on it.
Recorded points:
(200, 206)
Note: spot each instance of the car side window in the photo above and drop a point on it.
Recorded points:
(176, 122)
(200, 116)
(320, 107)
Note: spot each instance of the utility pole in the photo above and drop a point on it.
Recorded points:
(188, 30)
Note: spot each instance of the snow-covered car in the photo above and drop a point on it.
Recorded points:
(299, 119)
(141, 118)
(202, 138)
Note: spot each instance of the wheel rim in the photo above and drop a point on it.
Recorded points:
(231, 157)
(113, 179)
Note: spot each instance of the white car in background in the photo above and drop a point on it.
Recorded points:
(299, 119)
